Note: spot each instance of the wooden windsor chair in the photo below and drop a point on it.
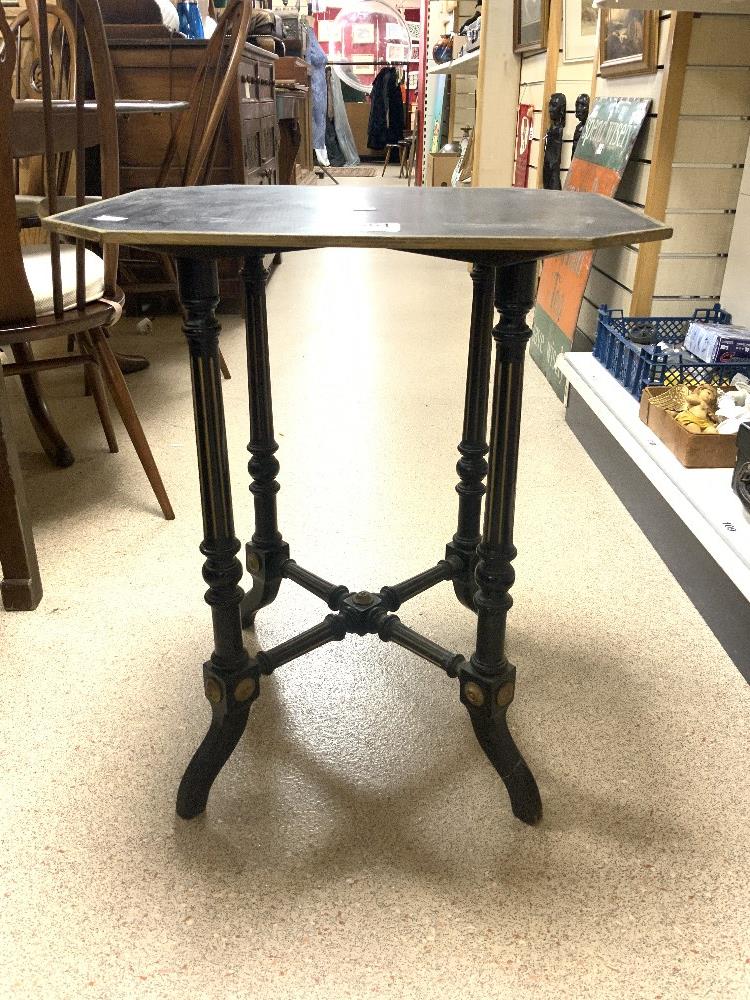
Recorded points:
(54, 289)
(194, 140)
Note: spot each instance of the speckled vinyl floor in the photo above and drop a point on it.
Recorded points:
(358, 844)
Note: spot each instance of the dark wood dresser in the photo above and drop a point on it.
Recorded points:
(148, 64)
(163, 67)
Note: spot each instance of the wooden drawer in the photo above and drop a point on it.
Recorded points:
(257, 109)
(269, 140)
(260, 145)
(256, 80)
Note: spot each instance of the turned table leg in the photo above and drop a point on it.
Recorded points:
(472, 466)
(230, 679)
(267, 552)
(488, 680)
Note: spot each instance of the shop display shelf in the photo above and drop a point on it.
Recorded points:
(698, 6)
(664, 361)
(467, 64)
(702, 498)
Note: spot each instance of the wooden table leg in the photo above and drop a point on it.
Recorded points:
(266, 552)
(230, 679)
(290, 137)
(20, 586)
(488, 680)
(472, 466)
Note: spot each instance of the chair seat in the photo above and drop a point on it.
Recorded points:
(36, 206)
(38, 264)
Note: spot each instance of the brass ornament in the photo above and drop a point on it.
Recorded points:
(473, 694)
(674, 398)
(505, 694)
(253, 562)
(245, 689)
(213, 691)
(362, 598)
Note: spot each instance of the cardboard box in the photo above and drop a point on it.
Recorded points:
(695, 451)
(440, 169)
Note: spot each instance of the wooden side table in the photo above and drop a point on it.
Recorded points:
(502, 233)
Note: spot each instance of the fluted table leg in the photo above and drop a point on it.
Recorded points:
(230, 679)
(472, 466)
(488, 680)
(267, 552)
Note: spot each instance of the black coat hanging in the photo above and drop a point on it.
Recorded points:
(335, 157)
(386, 123)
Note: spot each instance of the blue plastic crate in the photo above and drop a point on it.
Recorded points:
(663, 361)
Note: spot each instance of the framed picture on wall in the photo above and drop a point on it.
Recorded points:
(530, 19)
(363, 33)
(579, 30)
(628, 42)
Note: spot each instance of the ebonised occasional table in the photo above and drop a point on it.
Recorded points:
(502, 233)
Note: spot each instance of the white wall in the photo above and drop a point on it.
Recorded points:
(497, 100)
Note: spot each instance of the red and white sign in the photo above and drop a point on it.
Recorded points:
(524, 135)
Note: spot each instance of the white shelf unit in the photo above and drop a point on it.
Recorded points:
(468, 65)
(697, 6)
(702, 498)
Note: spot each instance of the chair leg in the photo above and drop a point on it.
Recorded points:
(50, 438)
(403, 152)
(20, 585)
(121, 396)
(225, 373)
(95, 388)
(410, 160)
(387, 159)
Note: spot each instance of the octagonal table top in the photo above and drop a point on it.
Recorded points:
(456, 221)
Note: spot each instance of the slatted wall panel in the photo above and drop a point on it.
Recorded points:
(463, 88)
(612, 275)
(711, 146)
(611, 281)
(710, 149)
(463, 104)
(531, 91)
(734, 292)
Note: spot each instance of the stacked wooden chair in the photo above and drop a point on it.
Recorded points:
(53, 289)
(191, 153)
(194, 141)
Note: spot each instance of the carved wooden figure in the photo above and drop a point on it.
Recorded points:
(553, 143)
(582, 114)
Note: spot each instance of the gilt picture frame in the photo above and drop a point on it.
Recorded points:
(579, 30)
(530, 20)
(628, 42)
